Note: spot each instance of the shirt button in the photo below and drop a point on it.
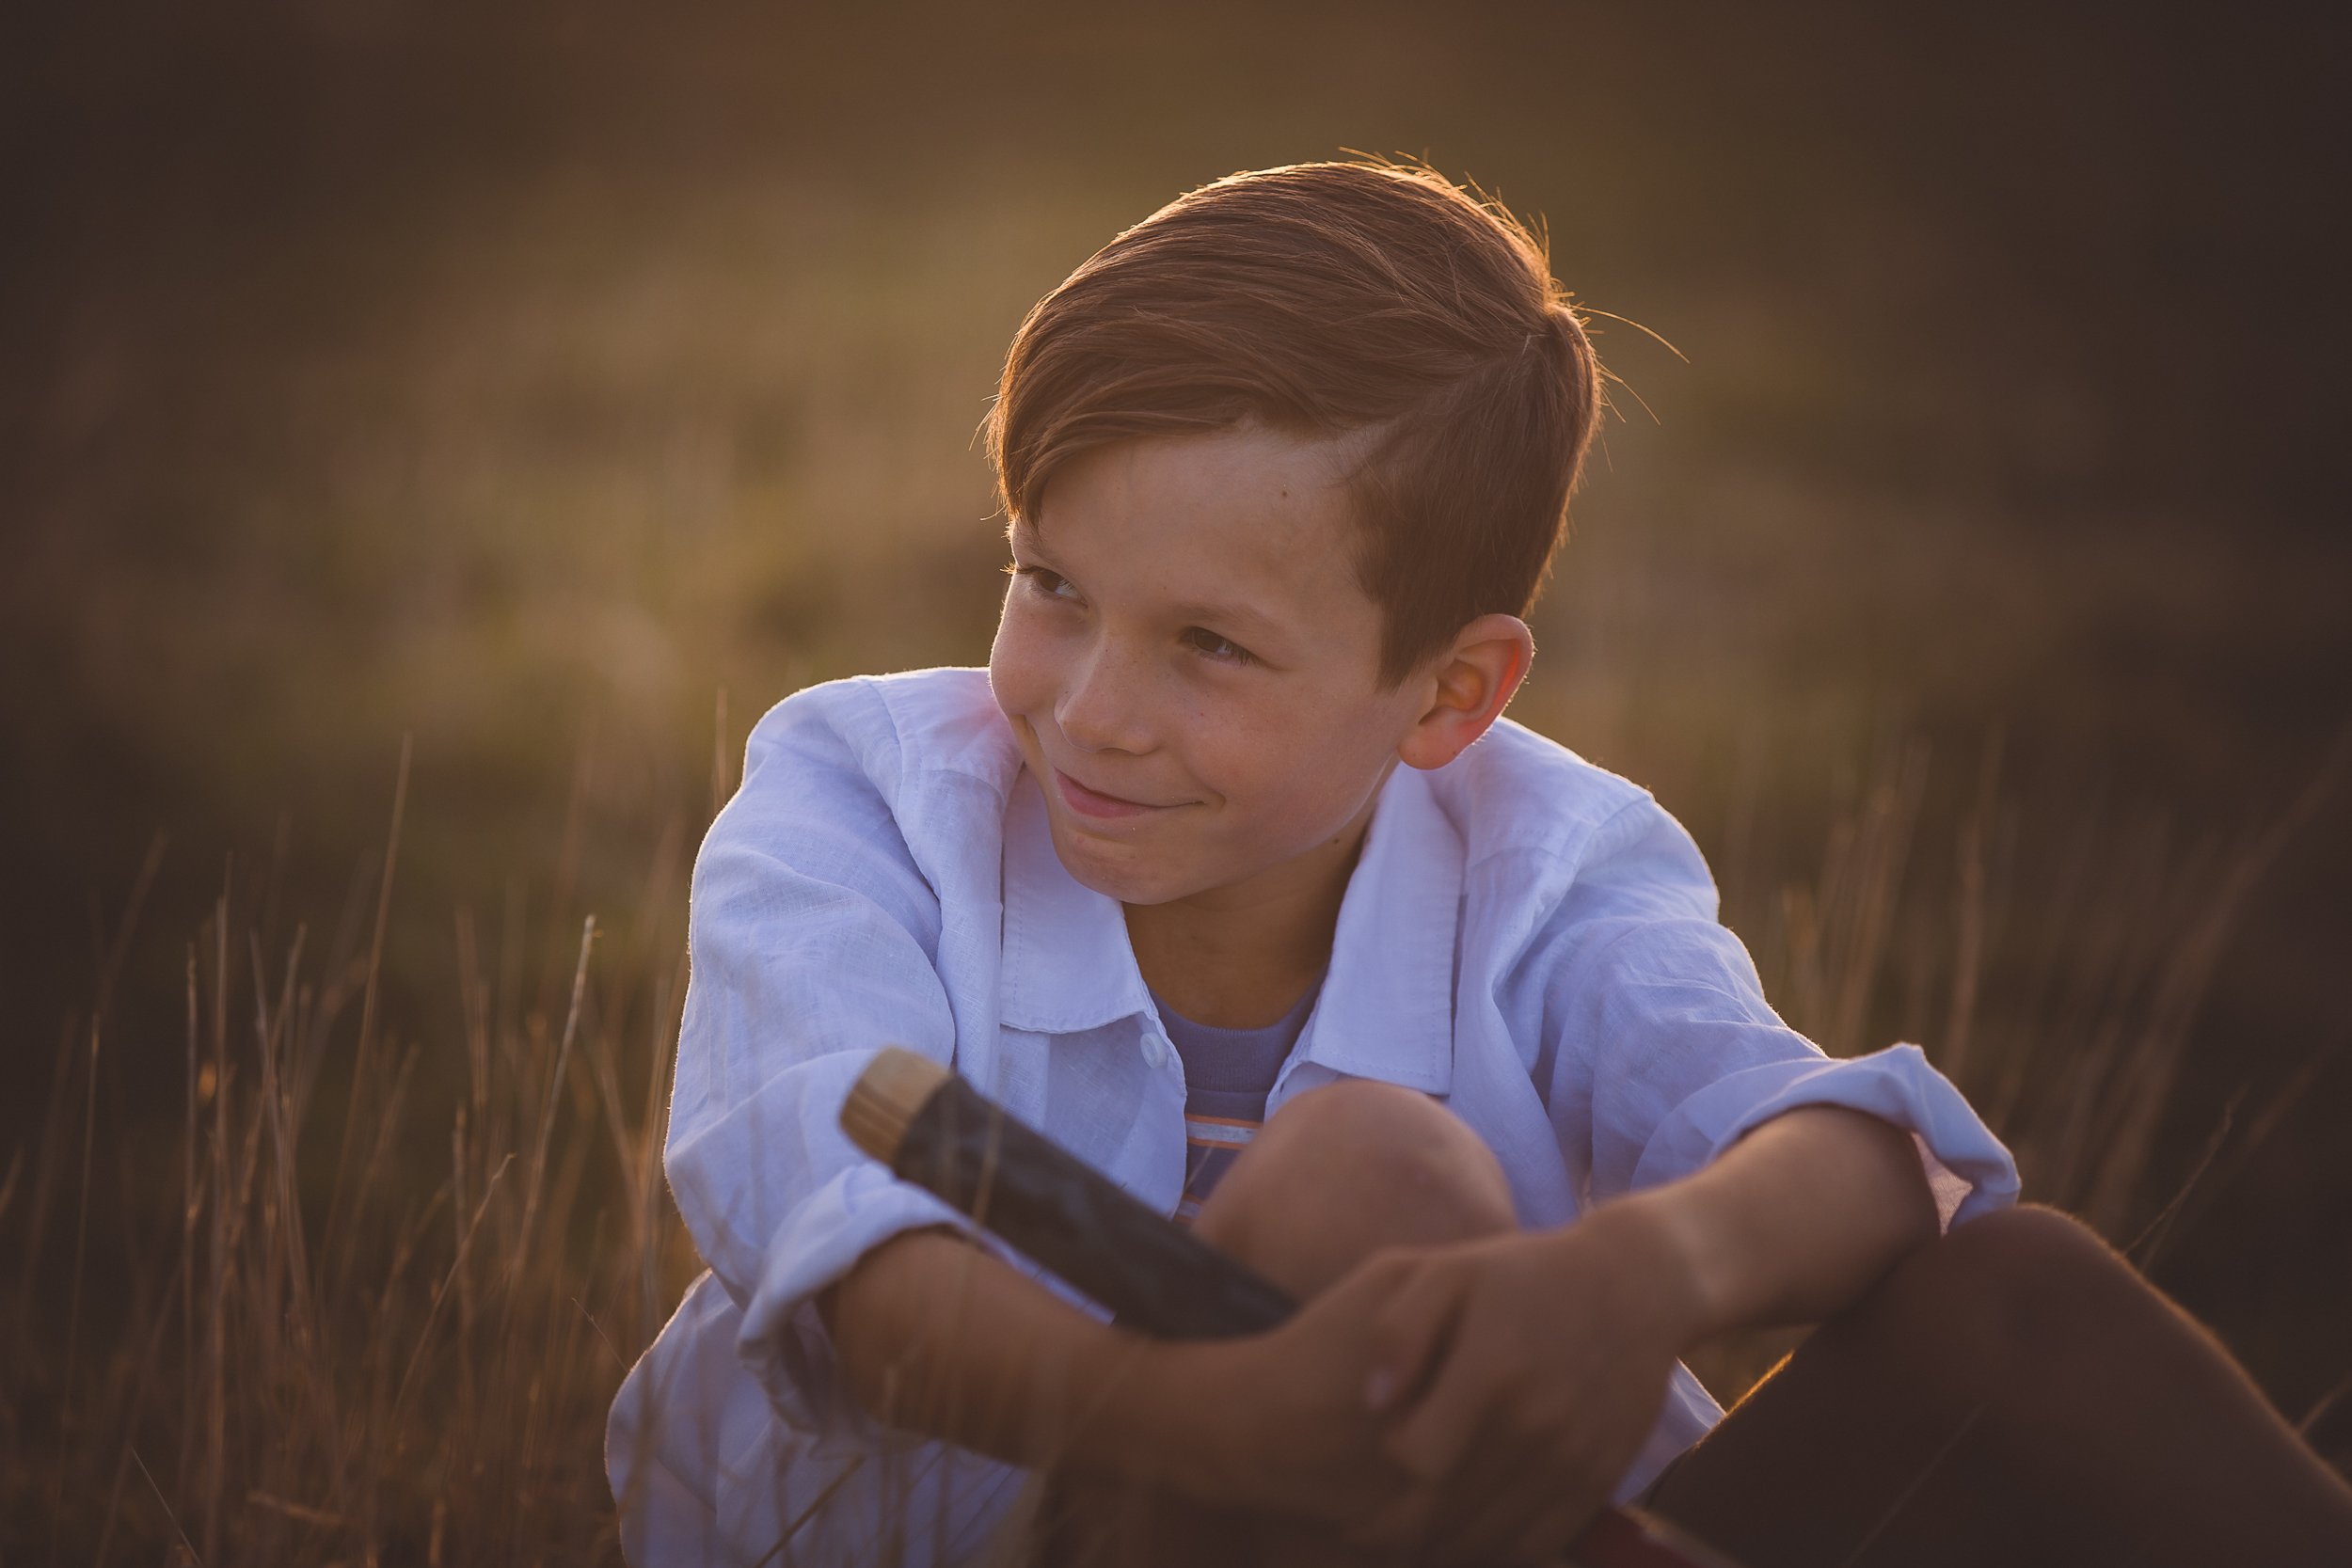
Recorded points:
(1154, 1053)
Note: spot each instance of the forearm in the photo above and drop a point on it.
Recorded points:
(1795, 1221)
(941, 1338)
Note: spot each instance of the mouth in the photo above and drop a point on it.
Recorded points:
(1093, 802)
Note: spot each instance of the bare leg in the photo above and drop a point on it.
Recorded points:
(2014, 1394)
(1336, 1175)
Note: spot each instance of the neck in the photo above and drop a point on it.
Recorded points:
(1240, 957)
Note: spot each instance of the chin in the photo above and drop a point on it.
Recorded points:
(1129, 876)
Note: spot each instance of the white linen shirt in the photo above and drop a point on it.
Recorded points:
(1526, 937)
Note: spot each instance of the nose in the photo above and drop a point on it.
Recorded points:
(1102, 706)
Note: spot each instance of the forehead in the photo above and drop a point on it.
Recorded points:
(1249, 518)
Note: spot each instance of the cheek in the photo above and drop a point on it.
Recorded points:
(1310, 769)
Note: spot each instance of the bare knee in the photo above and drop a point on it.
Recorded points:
(2031, 1267)
(2014, 1294)
(1350, 1167)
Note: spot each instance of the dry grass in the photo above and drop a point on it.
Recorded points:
(337, 1325)
(2061, 1000)
(372, 1301)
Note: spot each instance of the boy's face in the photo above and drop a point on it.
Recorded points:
(1190, 666)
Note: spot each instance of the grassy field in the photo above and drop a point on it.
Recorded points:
(369, 1300)
(427, 447)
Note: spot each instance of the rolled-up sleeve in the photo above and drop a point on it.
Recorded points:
(1663, 1053)
(812, 939)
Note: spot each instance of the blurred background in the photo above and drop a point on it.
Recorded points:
(552, 388)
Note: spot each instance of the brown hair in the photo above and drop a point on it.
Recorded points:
(1325, 299)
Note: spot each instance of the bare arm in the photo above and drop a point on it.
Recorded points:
(1788, 1225)
(1795, 1221)
(941, 1338)
(1560, 1343)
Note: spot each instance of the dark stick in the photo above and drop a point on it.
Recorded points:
(935, 1130)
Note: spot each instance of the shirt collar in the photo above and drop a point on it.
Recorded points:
(1068, 963)
(1387, 1007)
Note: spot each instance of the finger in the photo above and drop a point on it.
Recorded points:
(1432, 1436)
(1432, 1442)
(1410, 1334)
(1384, 1271)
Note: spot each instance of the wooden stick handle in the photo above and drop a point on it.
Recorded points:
(935, 1130)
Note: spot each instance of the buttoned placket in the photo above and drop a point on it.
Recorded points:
(1385, 1012)
(1159, 1051)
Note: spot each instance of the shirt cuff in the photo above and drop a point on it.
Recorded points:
(784, 1339)
(1968, 1169)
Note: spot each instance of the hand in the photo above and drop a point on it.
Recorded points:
(1274, 1423)
(1519, 1376)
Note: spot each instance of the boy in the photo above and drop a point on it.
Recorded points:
(1231, 833)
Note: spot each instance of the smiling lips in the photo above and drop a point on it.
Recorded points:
(1090, 802)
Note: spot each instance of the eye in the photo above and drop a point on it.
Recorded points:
(1053, 585)
(1223, 649)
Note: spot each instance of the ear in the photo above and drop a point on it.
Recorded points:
(1468, 683)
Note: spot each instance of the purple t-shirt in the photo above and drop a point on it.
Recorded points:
(1228, 1075)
